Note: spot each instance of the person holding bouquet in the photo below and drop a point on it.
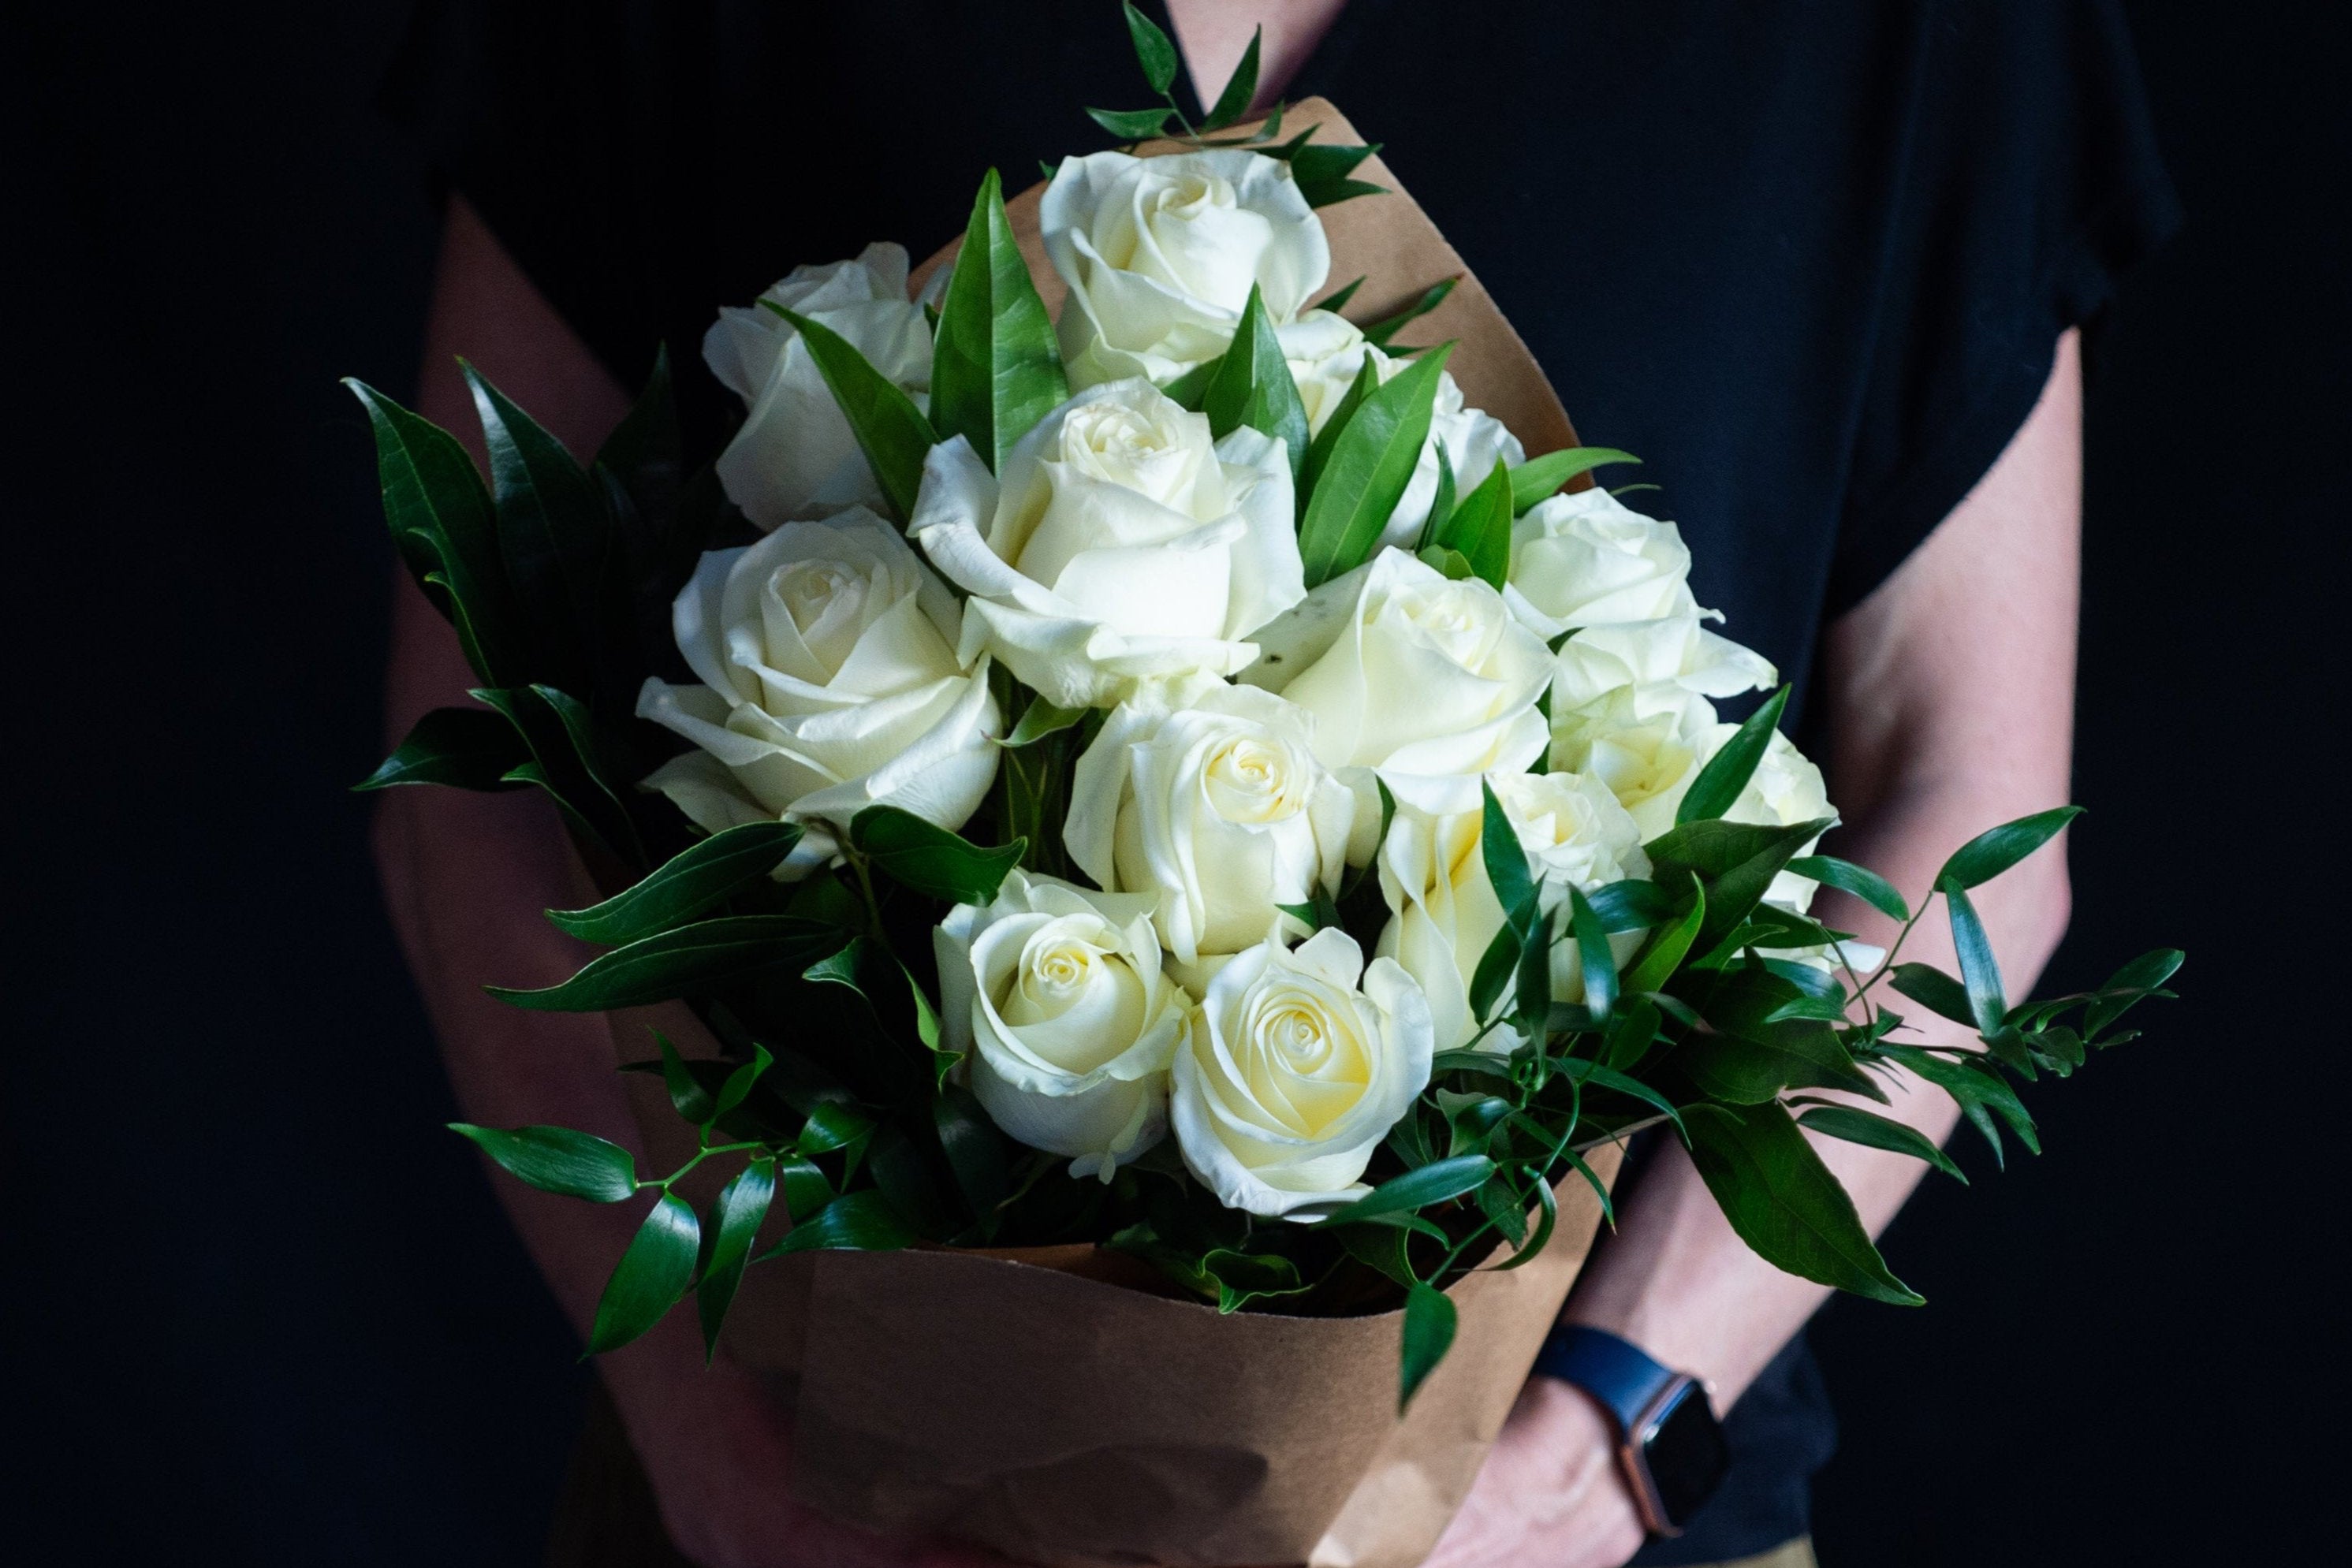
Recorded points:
(1823, 266)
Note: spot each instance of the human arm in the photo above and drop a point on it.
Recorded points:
(1950, 694)
(466, 877)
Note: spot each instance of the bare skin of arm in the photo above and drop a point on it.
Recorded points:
(1951, 699)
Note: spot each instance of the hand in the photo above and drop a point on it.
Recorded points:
(1550, 1494)
(717, 1448)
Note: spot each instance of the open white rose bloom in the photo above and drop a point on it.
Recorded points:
(1122, 771)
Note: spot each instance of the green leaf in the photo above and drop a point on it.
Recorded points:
(644, 458)
(1327, 441)
(1632, 904)
(854, 1222)
(1532, 999)
(1322, 173)
(1860, 881)
(1993, 851)
(1545, 1222)
(1240, 87)
(1128, 124)
(895, 435)
(1429, 1325)
(975, 1149)
(467, 748)
(2138, 979)
(1188, 389)
(1495, 966)
(1669, 947)
(1449, 564)
(1539, 477)
(1725, 778)
(928, 858)
(1252, 386)
(1599, 1077)
(1979, 969)
(565, 762)
(1631, 1035)
(1040, 719)
(1978, 1088)
(1416, 1189)
(1336, 301)
(739, 1082)
(441, 518)
(995, 371)
(556, 537)
(1441, 507)
(742, 1204)
(1153, 50)
(559, 1160)
(1598, 964)
(806, 1188)
(1756, 1051)
(1386, 326)
(1856, 1125)
(1241, 1278)
(1370, 463)
(687, 1095)
(1935, 990)
(652, 1275)
(692, 960)
(690, 883)
(1784, 1203)
(1480, 528)
(1505, 859)
(1736, 861)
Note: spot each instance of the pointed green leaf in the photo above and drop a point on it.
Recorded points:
(1429, 1327)
(1669, 947)
(854, 1222)
(1417, 1189)
(1253, 385)
(928, 858)
(1935, 990)
(687, 1095)
(742, 1204)
(1737, 861)
(1868, 1128)
(1386, 326)
(1371, 463)
(1860, 881)
(1326, 440)
(1336, 301)
(1993, 851)
(1040, 719)
(1153, 50)
(652, 1275)
(466, 747)
(691, 960)
(2135, 981)
(739, 1082)
(1598, 964)
(1480, 528)
(1784, 1203)
(1505, 857)
(565, 761)
(1323, 174)
(559, 1160)
(1725, 778)
(1187, 390)
(1441, 507)
(995, 370)
(891, 430)
(1979, 969)
(1240, 87)
(1539, 477)
(976, 1151)
(687, 883)
(1127, 124)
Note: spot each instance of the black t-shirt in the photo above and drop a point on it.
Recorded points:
(1808, 258)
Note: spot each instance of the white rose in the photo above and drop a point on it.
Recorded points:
(1444, 908)
(1645, 743)
(1056, 992)
(1120, 547)
(794, 455)
(1217, 812)
(1326, 352)
(1290, 1076)
(1428, 681)
(831, 682)
(1587, 560)
(1160, 253)
(1596, 660)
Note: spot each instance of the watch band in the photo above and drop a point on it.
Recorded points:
(1620, 1376)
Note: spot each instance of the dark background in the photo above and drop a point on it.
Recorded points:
(256, 1307)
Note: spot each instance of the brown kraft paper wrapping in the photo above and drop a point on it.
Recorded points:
(1056, 1403)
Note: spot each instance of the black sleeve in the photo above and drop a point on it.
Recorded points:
(2029, 184)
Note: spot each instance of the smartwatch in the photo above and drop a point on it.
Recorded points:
(1668, 1442)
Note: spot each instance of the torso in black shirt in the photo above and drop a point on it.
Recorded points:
(1809, 259)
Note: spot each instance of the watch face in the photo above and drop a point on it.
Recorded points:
(1687, 1456)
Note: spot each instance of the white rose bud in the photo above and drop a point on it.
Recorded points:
(831, 682)
(1645, 743)
(1428, 681)
(795, 456)
(1587, 559)
(1444, 911)
(1290, 1076)
(1160, 253)
(1596, 660)
(1057, 993)
(1122, 547)
(1216, 813)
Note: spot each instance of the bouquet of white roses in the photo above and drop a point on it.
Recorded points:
(1166, 790)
